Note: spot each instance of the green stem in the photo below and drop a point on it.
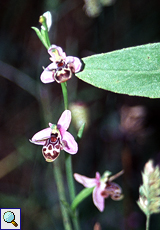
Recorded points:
(70, 180)
(147, 221)
(68, 160)
(76, 221)
(61, 193)
(65, 94)
(56, 167)
(68, 163)
(71, 187)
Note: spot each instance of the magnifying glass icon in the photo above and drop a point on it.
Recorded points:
(9, 217)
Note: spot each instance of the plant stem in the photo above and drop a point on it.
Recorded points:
(68, 160)
(71, 187)
(76, 221)
(65, 94)
(56, 166)
(68, 164)
(61, 193)
(147, 221)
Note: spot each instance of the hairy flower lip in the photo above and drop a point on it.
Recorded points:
(56, 138)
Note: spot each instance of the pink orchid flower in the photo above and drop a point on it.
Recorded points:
(62, 67)
(103, 187)
(55, 138)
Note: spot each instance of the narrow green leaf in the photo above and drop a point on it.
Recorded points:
(37, 32)
(80, 131)
(132, 71)
(81, 196)
(45, 38)
(41, 36)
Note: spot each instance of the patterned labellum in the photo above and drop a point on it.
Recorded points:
(113, 190)
(63, 74)
(52, 148)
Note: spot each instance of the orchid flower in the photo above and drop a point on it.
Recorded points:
(55, 138)
(103, 187)
(62, 67)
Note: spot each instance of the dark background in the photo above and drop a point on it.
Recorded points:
(122, 132)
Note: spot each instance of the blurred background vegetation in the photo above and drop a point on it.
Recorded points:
(122, 132)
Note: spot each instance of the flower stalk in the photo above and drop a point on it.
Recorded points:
(147, 221)
(61, 192)
(60, 70)
(65, 94)
(68, 165)
(45, 21)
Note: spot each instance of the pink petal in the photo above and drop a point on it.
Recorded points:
(51, 66)
(60, 52)
(86, 181)
(62, 131)
(69, 143)
(76, 62)
(98, 200)
(69, 59)
(47, 75)
(98, 176)
(64, 120)
(41, 137)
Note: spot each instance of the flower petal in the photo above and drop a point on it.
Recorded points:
(41, 137)
(69, 143)
(64, 120)
(76, 62)
(53, 54)
(98, 176)
(47, 75)
(98, 200)
(86, 181)
(48, 17)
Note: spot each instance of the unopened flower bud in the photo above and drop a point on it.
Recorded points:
(42, 19)
(80, 114)
(46, 20)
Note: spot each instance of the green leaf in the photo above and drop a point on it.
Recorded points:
(132, 71)
(37, 32)
(81, 196)
(45, 38)
(80, 131)
(41, 35)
